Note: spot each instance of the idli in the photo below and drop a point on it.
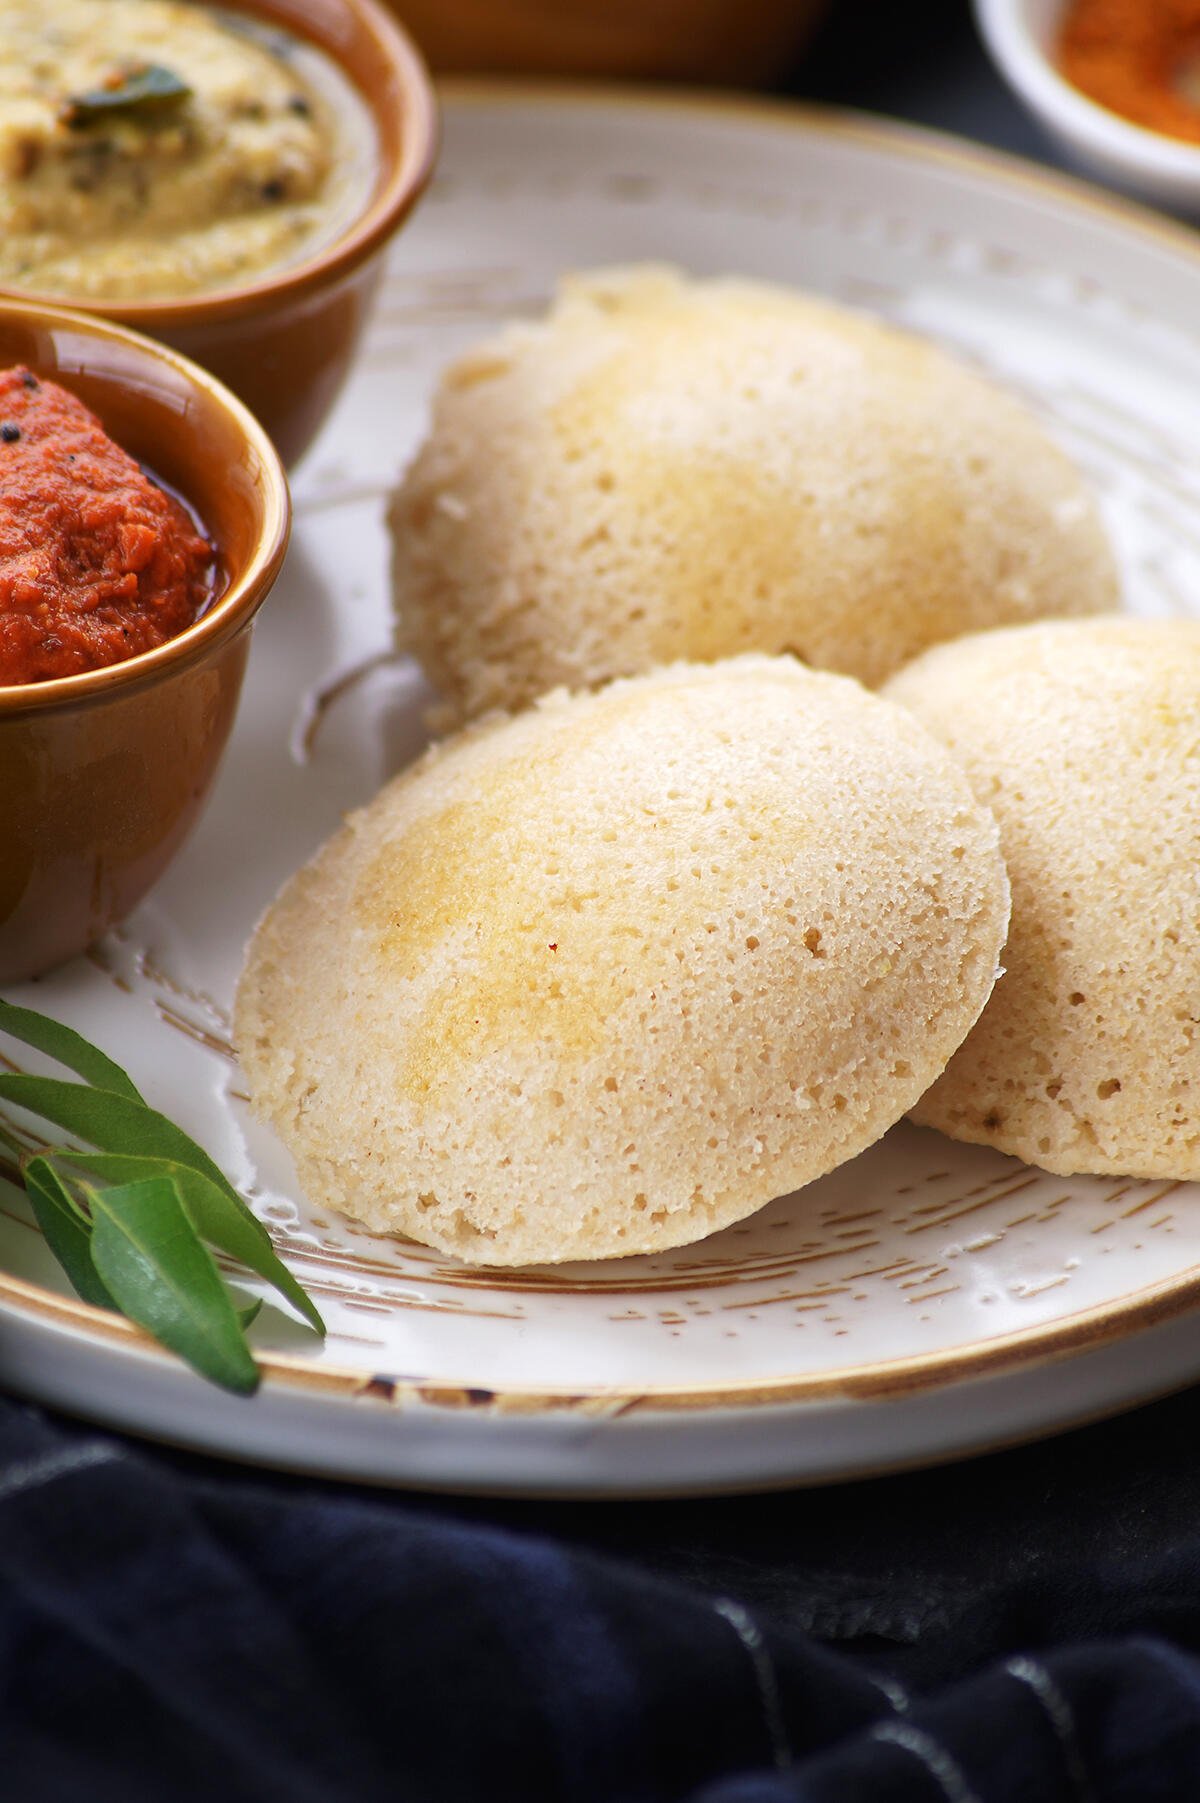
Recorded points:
(610, 974)
(1084, 740)
(665, 469)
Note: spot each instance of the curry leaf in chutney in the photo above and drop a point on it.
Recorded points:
(145, 89)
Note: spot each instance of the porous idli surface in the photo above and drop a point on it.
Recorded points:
(610, 974)
(1084, 740)
(665, 469)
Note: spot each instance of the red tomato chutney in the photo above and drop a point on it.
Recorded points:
(97, 563)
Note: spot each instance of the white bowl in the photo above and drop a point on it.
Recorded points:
(1020, 34)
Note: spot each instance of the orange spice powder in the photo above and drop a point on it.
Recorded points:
(1137, 58)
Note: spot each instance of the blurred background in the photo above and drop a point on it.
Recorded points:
(738, 41)
(919, 59)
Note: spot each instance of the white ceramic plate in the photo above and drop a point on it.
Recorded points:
(928, 1299)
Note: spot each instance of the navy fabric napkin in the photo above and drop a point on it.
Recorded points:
(995, 1634)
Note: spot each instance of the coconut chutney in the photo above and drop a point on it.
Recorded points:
(150, 149)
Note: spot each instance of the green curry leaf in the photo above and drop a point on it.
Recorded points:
(67, 1230)
(144, 89)
(66, 1047)
(131, 1211)
(230, 1229)
(111, 1122)
(150, 1259)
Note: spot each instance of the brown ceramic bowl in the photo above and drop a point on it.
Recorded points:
(103, 775)
(285, 342)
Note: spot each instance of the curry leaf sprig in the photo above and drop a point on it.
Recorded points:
(131, 1210)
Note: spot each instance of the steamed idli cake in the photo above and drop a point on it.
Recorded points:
(666, 469)
(608, 975)
(1084, 739)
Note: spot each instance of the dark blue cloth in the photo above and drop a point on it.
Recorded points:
(169, 1632)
